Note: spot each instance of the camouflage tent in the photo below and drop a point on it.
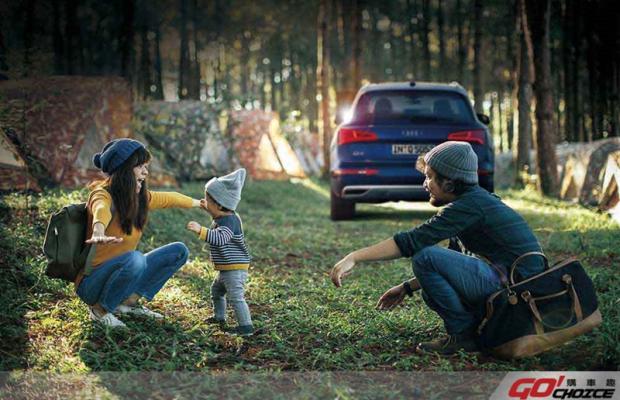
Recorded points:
(261, 147)
(58, 123)
(14, 174)
(198, 140)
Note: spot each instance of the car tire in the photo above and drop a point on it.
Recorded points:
(341, 209)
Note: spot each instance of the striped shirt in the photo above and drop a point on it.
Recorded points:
(227, 243)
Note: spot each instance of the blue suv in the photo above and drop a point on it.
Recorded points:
(373, 155)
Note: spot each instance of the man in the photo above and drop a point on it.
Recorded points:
(453, 284)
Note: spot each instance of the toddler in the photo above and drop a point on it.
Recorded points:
(229, 252)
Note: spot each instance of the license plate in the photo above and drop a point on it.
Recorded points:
(407, 149)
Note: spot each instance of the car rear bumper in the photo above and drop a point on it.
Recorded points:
(381, 193)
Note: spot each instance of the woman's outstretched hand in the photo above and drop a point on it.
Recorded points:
(103, 239)
(203, 204)
(342, 269)
(391, 298)
(99, 236)
(194, 226)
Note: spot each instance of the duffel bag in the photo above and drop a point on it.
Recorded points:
(535, 314)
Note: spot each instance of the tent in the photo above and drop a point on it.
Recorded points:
(14, 174)
(198, 140)
(60, 122)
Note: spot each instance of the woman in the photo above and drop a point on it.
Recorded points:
(118, 210)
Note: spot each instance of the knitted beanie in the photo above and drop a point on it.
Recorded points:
(454, 160)
(115, 153)
(226, 190)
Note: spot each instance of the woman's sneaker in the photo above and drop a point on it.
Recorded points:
(108, 319)
(137, 310)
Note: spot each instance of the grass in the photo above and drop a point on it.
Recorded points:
(305, 322)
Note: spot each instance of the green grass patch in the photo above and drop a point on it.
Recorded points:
(305, 322)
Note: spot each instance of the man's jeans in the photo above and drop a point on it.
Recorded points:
(230, 285)
(114, 280)
(455, 286)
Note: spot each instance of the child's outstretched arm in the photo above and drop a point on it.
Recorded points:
(194, 227)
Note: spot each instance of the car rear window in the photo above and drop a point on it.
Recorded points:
(406, 106)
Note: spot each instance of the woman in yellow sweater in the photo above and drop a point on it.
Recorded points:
(118, 210)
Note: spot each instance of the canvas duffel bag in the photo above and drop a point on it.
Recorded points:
(530, 316)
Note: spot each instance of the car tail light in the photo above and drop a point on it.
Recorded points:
(355, 135)
(475, 136)
(484, 172)
(355, 171)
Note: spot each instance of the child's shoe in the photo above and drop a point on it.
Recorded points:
(214, 320)
(244, 330)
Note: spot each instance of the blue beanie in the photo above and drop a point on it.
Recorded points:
(454, 160)
(115, 153)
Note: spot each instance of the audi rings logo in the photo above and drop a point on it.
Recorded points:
(559, 385)
(411, 133)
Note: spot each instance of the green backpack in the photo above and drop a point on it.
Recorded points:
(64, 246)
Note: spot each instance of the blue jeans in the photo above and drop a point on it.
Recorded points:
(229, 285)
(114, 280)
(455, 286)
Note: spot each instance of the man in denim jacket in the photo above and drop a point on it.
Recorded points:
(453, 284)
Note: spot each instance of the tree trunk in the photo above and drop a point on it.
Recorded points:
(593, 77)
(59, 52)
(159, 84)
(538, 15)
(426, 21)
(70, 34)
(442, 42)
(478, 91)
(412, 11)
(126, 38)
(568, 53)
(500, 123)
(245, 59)
(28, 36)
(577, 115)
(183, 53)
(376, 47)
(145, 60)
(194, 68)
(462, 47)
(323, 84)
(524, 94)
(356, 39)
(512, 38)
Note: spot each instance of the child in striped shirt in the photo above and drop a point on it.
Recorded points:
(228, 250)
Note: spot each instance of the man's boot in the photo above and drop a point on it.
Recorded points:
(450, 344)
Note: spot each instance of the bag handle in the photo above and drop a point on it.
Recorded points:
(513, 267)
(576, 305)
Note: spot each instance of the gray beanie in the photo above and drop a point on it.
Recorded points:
(226, 190)
(454, 160)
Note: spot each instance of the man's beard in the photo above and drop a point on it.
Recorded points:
(435, 202)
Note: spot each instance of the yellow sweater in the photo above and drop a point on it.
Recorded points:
(99, 210)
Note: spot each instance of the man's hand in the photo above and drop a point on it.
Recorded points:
(391, 298)
(203, 204)
(342, 269)
(194, 226)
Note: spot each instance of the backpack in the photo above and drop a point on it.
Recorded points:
(64, 246)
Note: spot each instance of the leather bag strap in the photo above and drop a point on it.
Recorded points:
(521, 257)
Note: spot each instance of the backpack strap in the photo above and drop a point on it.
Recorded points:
(521, 257)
